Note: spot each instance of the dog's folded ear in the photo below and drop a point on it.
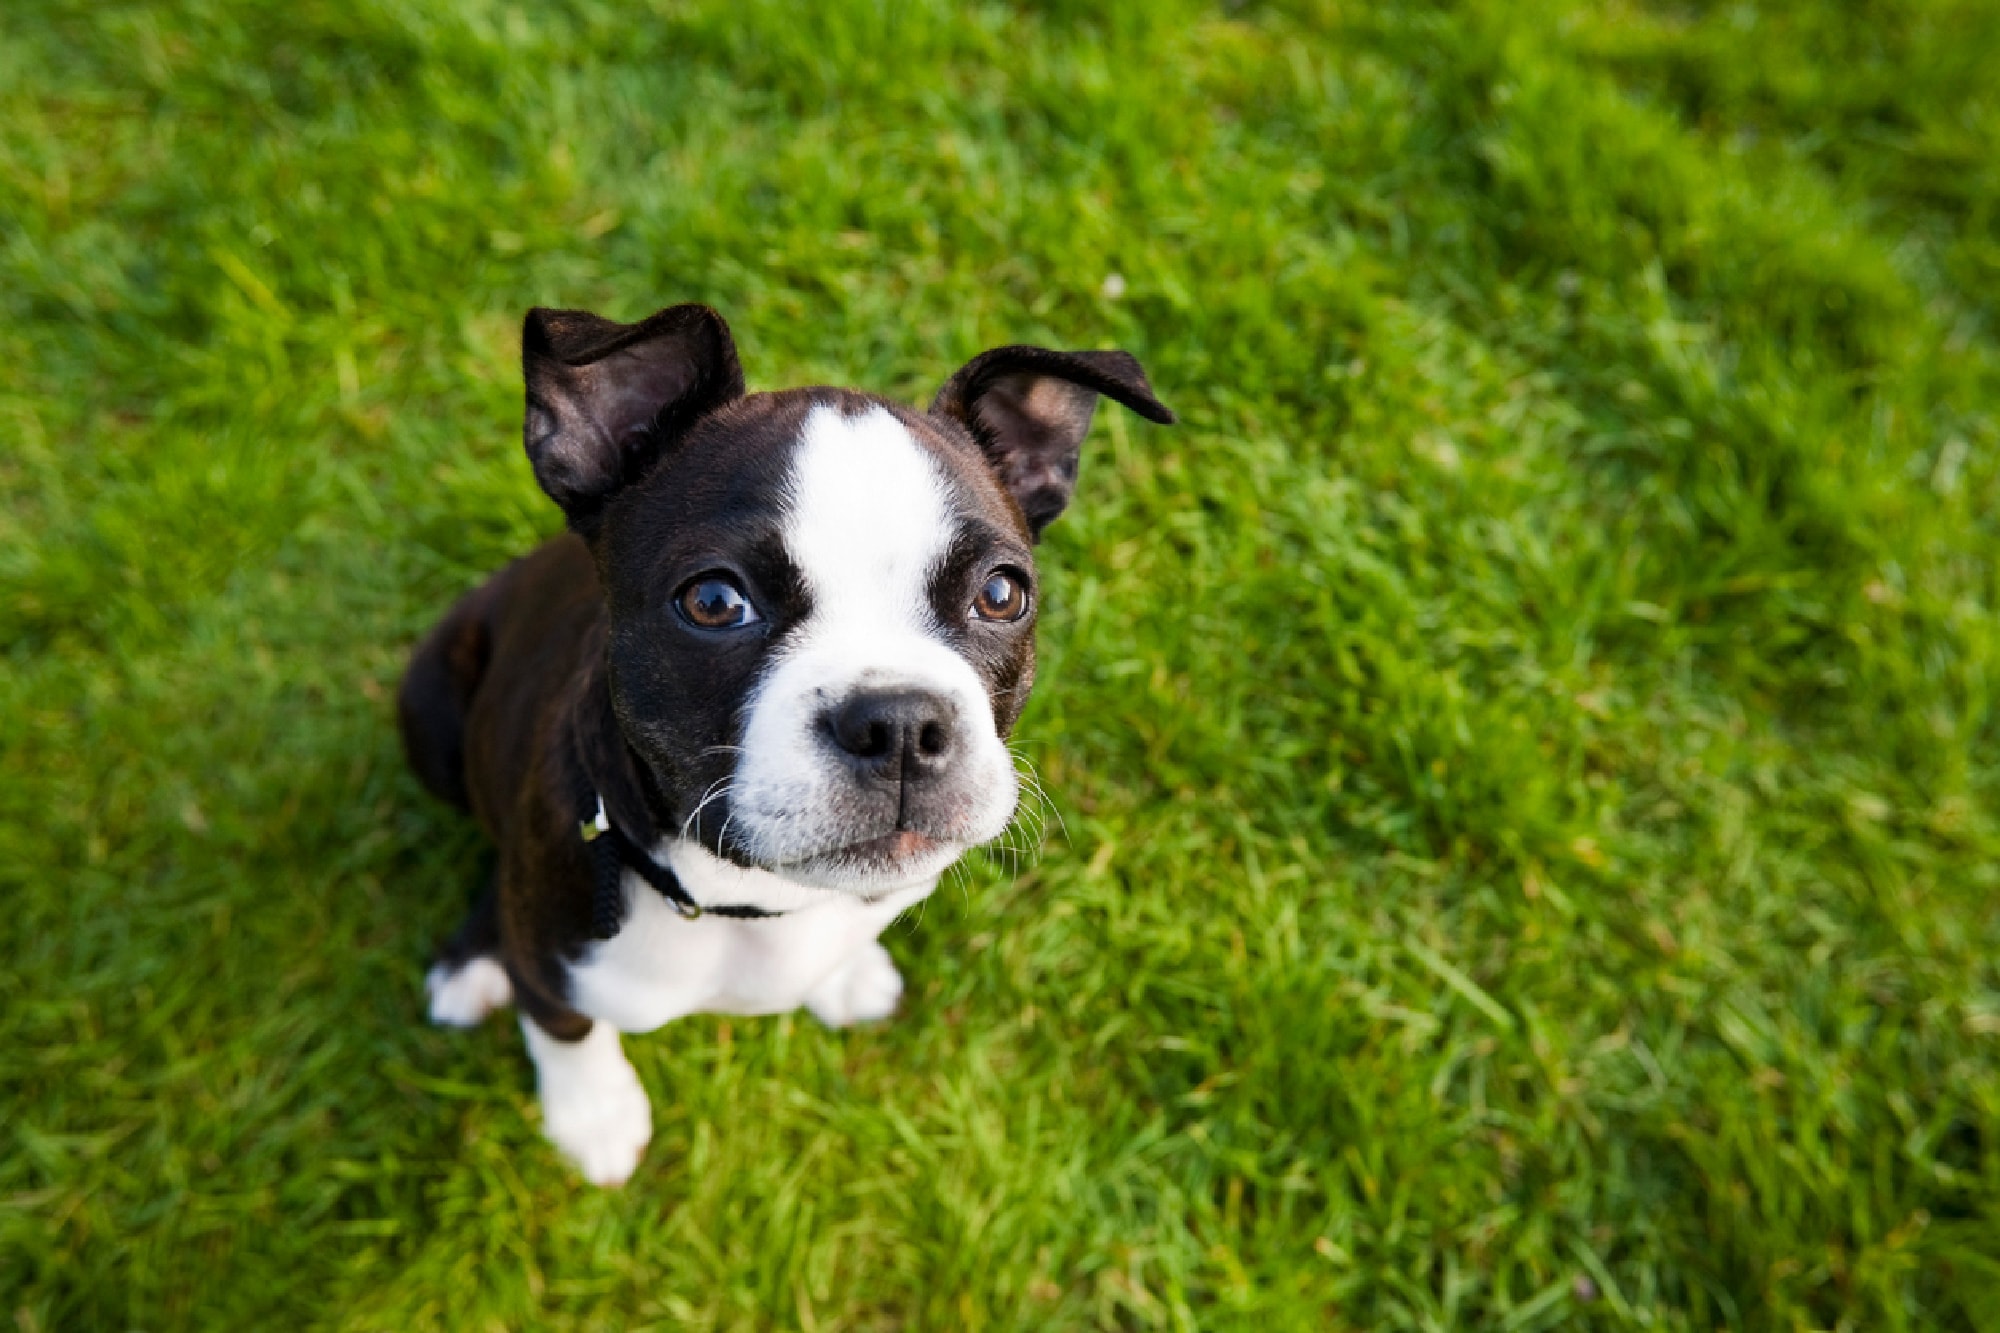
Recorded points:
(1029, 409)
(605, 399)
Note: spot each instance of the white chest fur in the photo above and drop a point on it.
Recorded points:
(661, 966)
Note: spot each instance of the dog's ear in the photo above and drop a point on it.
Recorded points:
(1029, 409)
(605, 399)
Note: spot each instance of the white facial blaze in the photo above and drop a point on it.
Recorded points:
(869, 521)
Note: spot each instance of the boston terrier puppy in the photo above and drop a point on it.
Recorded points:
(754, 701)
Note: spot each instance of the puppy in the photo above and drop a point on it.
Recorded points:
(751, 704)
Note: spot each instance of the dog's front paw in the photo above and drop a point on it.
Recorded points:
(461, 996)
(865, 990)
(604, 1129)
(593, 1107)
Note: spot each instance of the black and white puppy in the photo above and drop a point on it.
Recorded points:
(754, 701)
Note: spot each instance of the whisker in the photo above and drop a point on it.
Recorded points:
(1029, 825)
(724, 785)
(1037, 792)
(1030, 817)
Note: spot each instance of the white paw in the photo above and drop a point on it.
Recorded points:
(867, 989)
(462, 996)
(593, 1107)
(604, 1129)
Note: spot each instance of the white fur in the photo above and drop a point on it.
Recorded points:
(868, 519)
(593, 1108)
(462, 996)
(661, 966)
(866, 988)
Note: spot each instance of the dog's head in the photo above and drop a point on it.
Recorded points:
(822, 603)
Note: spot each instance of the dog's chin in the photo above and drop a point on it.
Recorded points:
(900, 859)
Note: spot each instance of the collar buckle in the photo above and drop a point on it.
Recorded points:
(597, 825)
(616, 853)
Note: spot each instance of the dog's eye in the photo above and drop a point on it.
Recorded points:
(1005, 597)
(713, 602)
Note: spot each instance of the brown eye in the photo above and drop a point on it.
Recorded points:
(713, 602)
(1004, 597)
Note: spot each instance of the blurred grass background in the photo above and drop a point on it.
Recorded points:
(1526, 745)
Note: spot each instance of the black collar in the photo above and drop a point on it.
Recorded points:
(614, 851)
(618, 795)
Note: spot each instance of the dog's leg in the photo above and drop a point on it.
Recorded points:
(592, 1105)
(865, 988)
(467, 982)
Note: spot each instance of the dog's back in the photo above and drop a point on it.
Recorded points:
(444, 673)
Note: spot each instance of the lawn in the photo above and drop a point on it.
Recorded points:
(1525, 750)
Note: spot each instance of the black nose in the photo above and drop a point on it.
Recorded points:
(895, 735)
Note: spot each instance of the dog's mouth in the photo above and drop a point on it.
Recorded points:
(890, 851)
(900, 854)
(900, 845)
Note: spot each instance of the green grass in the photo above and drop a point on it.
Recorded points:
(1526, 744)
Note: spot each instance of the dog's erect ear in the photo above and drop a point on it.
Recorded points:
(1029, 409)
(604, 398)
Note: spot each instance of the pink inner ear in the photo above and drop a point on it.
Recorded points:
(1036, 414)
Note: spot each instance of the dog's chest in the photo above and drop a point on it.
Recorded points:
(661, 966)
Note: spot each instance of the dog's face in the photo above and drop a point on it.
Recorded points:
(822, 616)
(822, 603)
